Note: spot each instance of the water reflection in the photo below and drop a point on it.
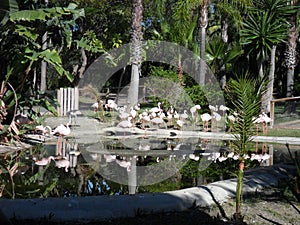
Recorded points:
(112, 166)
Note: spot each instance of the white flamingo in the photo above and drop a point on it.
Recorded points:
(126, 124)
(205, 119)
(184, 115)
(144, 118)
(62, 130)
(158, 121)
(156, 109)
(109, 158)
(193, 111)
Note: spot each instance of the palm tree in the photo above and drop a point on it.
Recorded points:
(230, 13)
(219, 56)
(261, 34)
(136, 50)
(245, 95)
(268, 29)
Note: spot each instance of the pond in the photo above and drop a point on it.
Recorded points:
(105, 160)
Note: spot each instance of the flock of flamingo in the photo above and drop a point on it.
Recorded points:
(160, 118)
(170, 118)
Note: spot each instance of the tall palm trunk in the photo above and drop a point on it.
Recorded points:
(290, 62)
(224, 36)
(203, 20)
(136, 50)
(43, 86)
(267, 97)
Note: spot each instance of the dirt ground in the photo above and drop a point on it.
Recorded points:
(266, 208)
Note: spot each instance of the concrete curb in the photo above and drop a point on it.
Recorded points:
(100, 208)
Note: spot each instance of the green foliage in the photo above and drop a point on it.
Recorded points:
(261, 31)
(219, 54)
(90, 42)
(245, 96)
(22, 53)
(7, 6)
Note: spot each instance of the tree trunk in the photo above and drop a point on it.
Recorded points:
(239, 192)
(224, 35)
(290, 62)
(203, 20)
(136, 50)
(132, 177)
(267, 97)
(78, 73)
(260, 68)
(43, 86)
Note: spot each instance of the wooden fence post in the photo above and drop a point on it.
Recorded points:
(68, 99)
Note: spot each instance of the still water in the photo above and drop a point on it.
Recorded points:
(124, 165)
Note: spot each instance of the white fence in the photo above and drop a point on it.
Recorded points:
(68, 99)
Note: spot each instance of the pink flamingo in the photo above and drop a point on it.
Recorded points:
(43, 161)
(61, 131)
(62, 162)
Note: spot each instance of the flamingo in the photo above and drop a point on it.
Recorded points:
(184, 115)
(158, 121)
(43, 129)
(223, 108)
(61, 131)
(124, 164)
(144, 118)
(193, 111)
(170, 118)
(123, 115)
(111, 105)
(43, 161)
(109, 158)
(217, 117)
(95, 106)
(231, 119)
(205, 118)
(180, 123)
(213, 108)
(156, 109)
(264, 120)
(62, 162)
(126, 123)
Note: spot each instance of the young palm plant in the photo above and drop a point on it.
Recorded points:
(245, 95)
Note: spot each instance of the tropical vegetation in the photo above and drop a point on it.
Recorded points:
(49, 44)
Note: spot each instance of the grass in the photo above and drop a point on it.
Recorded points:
(283, 132)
